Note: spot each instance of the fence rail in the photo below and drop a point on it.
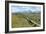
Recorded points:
(31, 21)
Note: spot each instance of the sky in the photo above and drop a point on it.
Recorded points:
(25, 8)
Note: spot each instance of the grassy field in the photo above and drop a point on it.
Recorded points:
(25, 20)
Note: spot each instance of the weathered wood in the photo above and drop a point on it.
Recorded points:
(30, 21)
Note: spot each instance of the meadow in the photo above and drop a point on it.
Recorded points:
(26, 20)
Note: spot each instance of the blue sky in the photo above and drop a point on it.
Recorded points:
(25, 8)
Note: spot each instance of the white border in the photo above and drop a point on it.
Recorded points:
(26, 28)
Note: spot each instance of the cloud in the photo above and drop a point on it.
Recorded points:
(25, 8)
